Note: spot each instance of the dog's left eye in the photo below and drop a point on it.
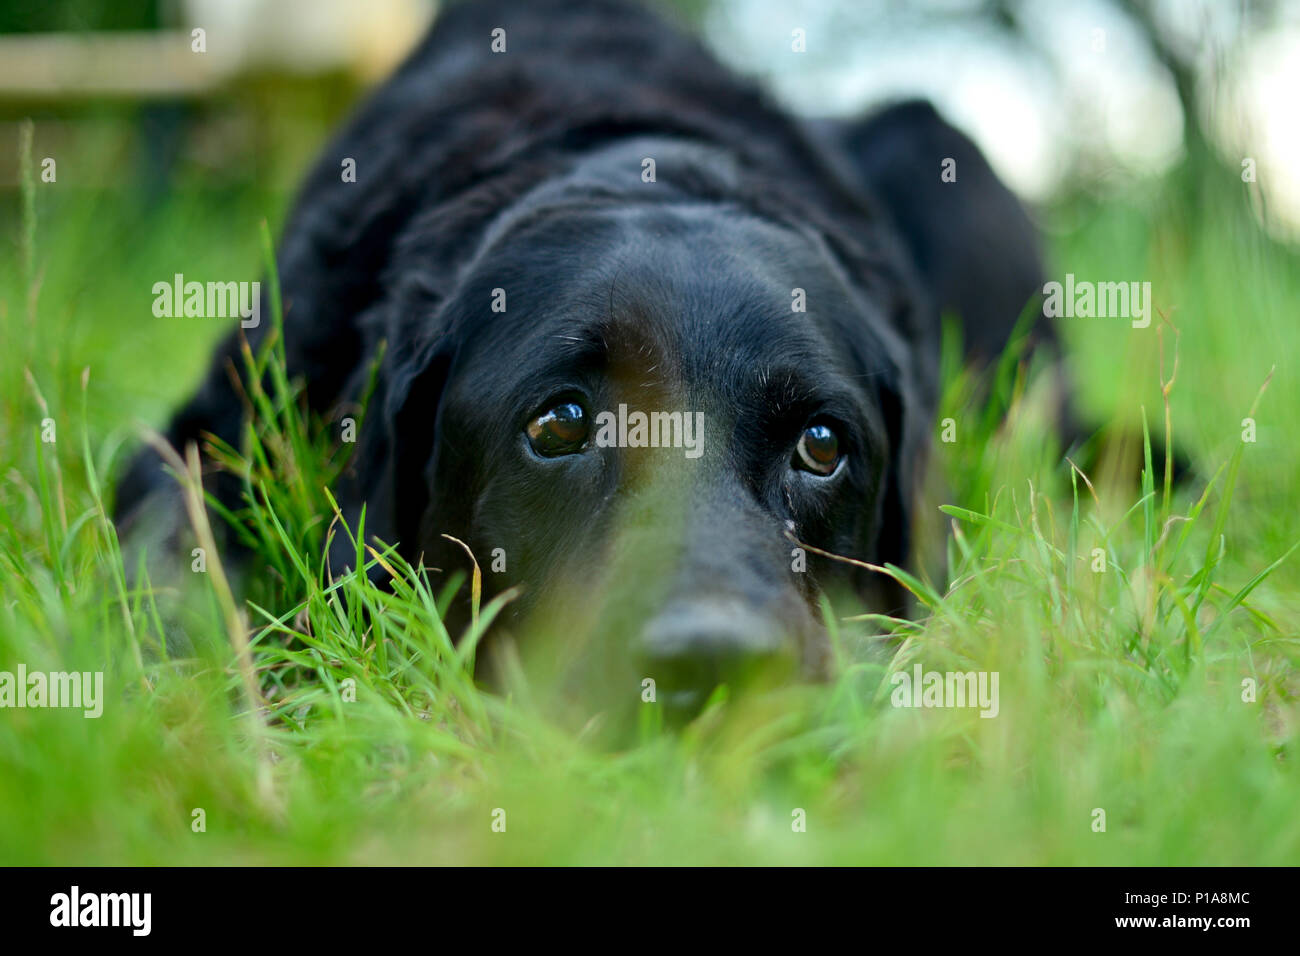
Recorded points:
(561, 430)
(818, 450)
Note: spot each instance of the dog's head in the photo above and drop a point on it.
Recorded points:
(637, 402)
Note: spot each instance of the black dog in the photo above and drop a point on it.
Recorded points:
(566, 213)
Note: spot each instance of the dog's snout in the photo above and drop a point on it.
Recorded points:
(691, 648)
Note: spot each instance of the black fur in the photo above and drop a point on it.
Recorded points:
(522, 171)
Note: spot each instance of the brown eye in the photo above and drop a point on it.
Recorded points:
(560, 431)
(818, 450)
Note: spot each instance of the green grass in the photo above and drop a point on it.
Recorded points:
(1119, 690)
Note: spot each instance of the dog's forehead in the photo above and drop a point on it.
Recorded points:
(684, 291)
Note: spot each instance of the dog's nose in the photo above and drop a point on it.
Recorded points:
(688, 649)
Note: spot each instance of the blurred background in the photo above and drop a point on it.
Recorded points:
(1085, 95)
(1155, 140)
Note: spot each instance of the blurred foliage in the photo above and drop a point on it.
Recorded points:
(38, 16)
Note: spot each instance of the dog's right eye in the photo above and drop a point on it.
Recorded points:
(818, 450)
(561, 430)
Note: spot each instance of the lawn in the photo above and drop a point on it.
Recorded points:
(337, 722)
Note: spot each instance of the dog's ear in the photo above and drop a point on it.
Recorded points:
(905, 395)
(391, 472)
(901, 471)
